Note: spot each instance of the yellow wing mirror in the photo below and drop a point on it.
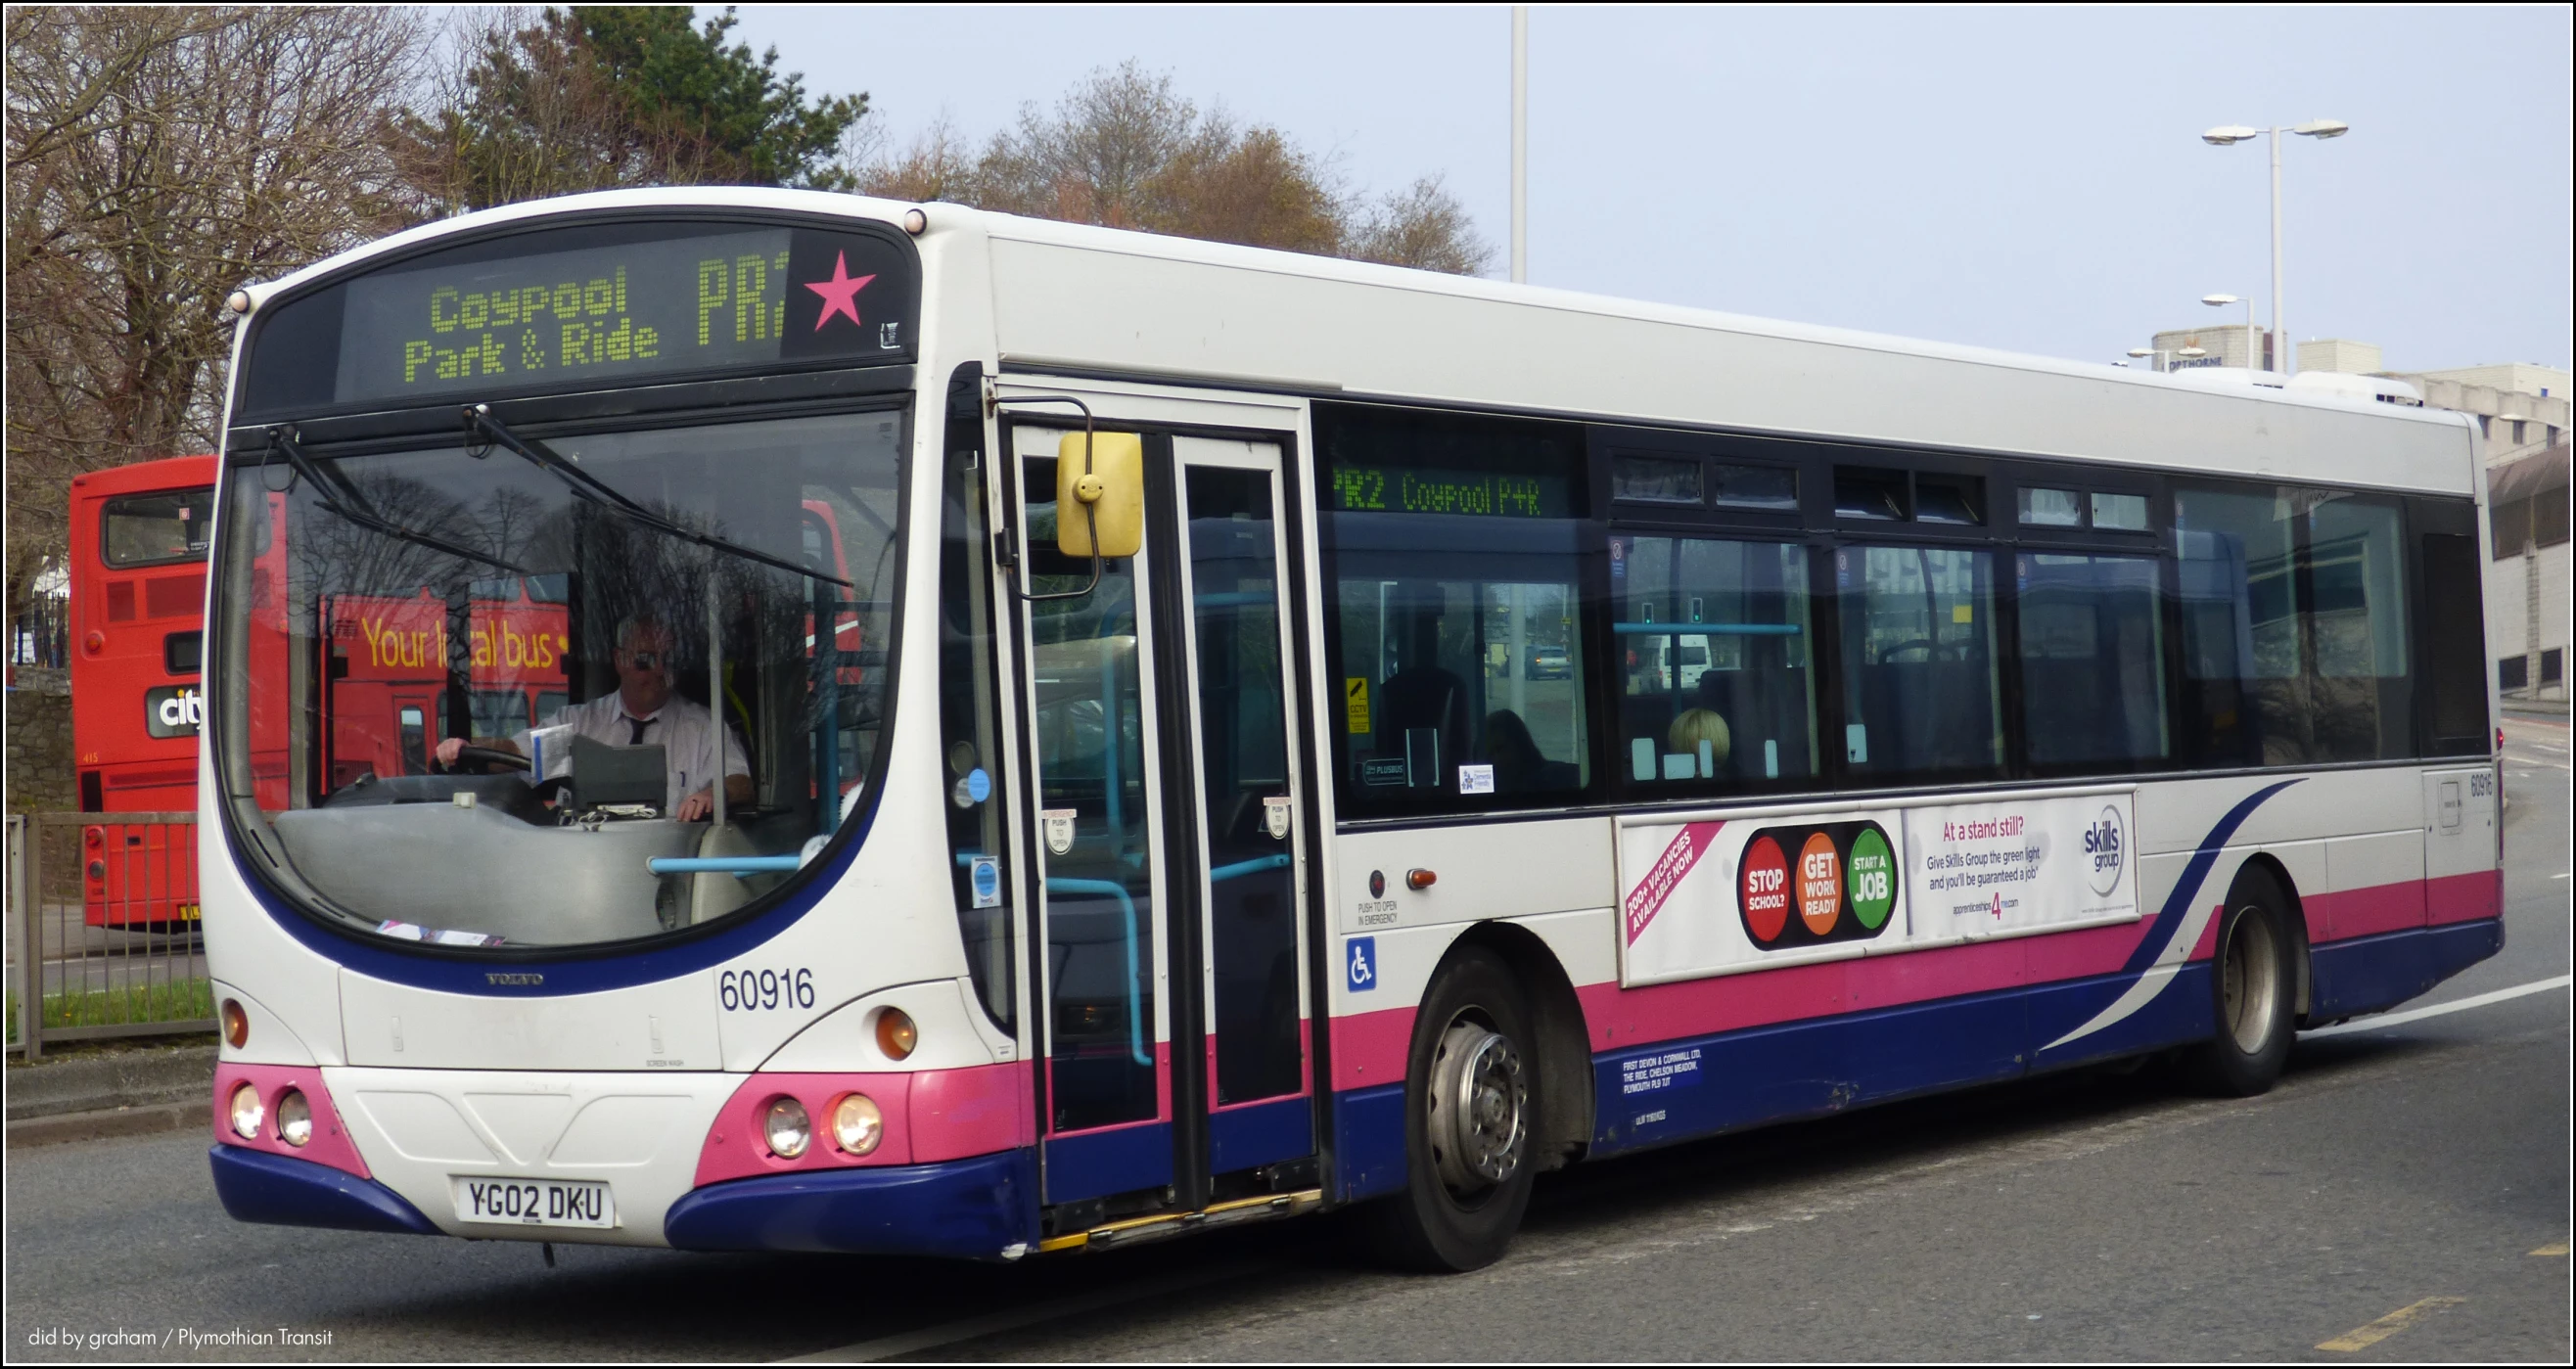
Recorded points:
(1106, 483)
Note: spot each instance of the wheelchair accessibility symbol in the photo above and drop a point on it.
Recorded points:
(1363, 963)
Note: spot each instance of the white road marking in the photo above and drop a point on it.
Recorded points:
(2457, 1005)
(949, 1333)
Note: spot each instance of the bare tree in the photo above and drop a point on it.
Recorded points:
(937, 166)
(1095, 158)
(1251, 187)
(157, 159)
(1125, 149)
(1422, 226)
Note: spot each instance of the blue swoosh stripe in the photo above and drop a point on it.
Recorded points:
(2187, 888)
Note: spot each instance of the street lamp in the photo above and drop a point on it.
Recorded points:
(2232, 134)
(1520, 143)
(2221, 302)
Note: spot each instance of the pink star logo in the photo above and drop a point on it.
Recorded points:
(840, 293)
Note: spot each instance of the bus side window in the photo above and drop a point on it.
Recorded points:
(2295, 643)
(1920, 694)
(1459, 549)
(1713, 651)
(2092, 661)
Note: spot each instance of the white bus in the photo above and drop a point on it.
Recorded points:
(1077, 736)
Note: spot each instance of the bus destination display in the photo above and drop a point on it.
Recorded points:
(716, 301)
(1405, 489)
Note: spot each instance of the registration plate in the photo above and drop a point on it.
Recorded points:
(534, 1202)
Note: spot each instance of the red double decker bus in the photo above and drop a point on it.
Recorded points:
(138, 597)
(388, 698)
(138, 588)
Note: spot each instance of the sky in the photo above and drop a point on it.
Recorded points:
(2032, 180)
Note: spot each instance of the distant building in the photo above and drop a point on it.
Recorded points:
(2528, 602)
(2339, 354)
(2224, 343)
(2522, 407)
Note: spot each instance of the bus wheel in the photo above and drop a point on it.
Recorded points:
(2250, 997)
(1470, 1114)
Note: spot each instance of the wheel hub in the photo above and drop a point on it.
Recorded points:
(2250, 980)
(1479, 1100)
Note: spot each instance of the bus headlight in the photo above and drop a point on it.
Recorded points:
(857, 1125)
(896, 1035)
(294, 1118)
(786, 1128)
(247, 1113)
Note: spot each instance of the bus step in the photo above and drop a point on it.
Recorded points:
(1138, 1230)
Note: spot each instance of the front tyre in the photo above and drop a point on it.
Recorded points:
(1470, 1104)
(2250, 996)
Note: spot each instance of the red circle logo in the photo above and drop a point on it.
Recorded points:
(1763, 889)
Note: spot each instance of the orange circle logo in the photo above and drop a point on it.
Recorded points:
(1820, 884)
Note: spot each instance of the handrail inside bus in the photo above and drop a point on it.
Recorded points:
(1253, 866)
(1126, 903)
(1706, 629)
(722, 865)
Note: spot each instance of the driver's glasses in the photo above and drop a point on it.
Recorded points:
(644, 660)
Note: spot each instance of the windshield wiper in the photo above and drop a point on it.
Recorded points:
(341, 497)
(479, 422)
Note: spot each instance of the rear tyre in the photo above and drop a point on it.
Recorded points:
(2251, 983)
(1471, 1122)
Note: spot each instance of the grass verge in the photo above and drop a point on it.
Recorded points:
(186, 1000)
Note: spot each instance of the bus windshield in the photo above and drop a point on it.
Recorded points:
(466, 704)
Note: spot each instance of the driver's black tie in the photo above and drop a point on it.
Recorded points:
(639, 724)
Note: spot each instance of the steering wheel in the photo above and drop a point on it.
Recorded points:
(487, 756)
(1931, 650)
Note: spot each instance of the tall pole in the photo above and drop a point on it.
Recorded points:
(1520, 144)
(2280, 331)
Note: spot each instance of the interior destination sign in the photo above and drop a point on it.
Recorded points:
(1402, 489)
(730, 299)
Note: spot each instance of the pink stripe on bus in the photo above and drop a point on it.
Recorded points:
(1370, 1048)
(973, 1111)
(1628, 1017)
(2369, 911)
(2463, 898)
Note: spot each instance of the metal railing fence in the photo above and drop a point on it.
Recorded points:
(104, 935)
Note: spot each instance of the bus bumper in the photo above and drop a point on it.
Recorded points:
(982, 1208)
(275, 1189)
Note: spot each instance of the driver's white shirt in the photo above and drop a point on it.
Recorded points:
(683, 729)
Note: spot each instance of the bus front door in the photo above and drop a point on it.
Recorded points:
(1169, 843)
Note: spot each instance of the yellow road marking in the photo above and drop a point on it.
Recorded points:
(2558, 1249)
(2364, 1337)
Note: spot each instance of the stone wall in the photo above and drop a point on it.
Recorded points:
(41, 777)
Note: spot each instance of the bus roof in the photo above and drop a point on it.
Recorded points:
(167, 473)
(1192, 311)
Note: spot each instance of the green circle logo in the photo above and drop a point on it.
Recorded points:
(1872, 878)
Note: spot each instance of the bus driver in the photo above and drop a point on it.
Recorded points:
(646, 712)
